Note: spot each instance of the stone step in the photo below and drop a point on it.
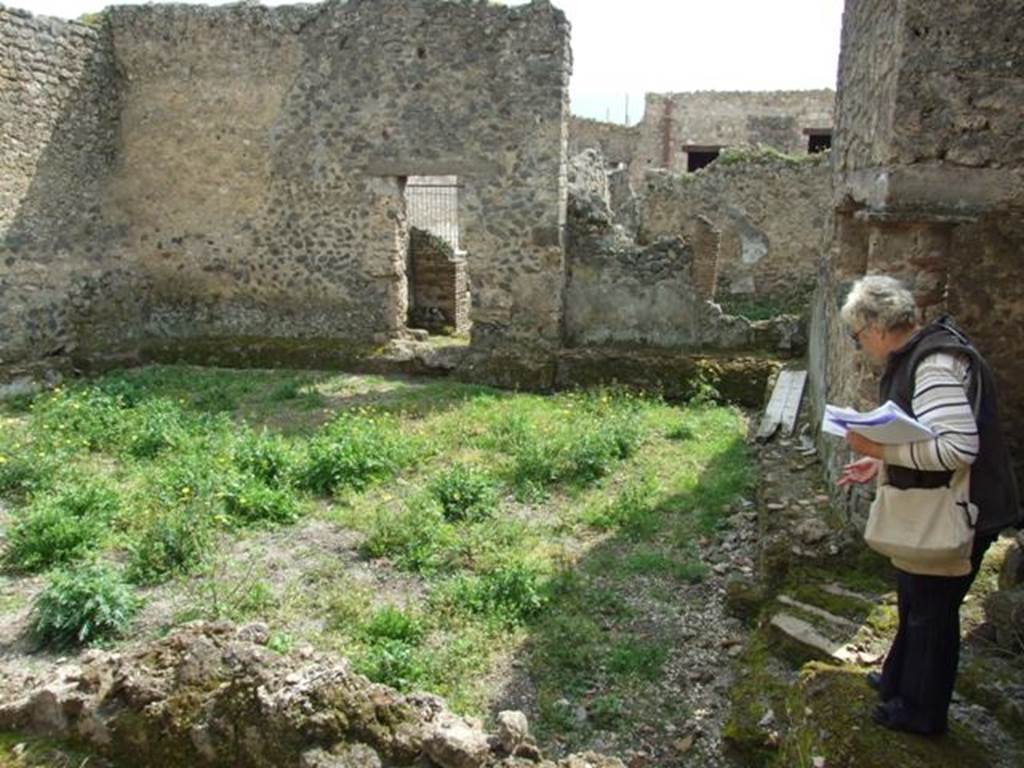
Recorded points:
(805, 641)
(840, 623)
(840, 591)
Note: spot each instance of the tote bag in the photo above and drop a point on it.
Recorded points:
(930, 526)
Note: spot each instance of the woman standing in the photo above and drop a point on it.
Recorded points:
(934, 374)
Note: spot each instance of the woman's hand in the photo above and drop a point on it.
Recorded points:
(860, 471)
(864, 446)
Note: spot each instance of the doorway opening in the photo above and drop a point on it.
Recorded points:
(437, 266)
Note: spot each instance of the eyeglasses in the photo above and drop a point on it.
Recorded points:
(855, 336)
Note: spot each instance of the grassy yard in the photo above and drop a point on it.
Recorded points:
(484, 545)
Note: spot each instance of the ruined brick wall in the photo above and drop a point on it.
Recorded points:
(769, 211)
(673, 121)
(58, 133)
(439, 295)
(929, 154)
(254, 188)
(617, 143)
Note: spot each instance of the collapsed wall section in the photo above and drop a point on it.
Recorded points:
(654, 294)
(58, 142)
(928, 185)
(770, 212)
(617, 143)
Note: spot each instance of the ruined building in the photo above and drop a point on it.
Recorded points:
(684, 132)
(928, 168)
(240, 185)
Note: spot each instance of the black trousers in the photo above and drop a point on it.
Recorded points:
(921, 665)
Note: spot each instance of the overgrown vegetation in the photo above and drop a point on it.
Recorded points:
(513, 523)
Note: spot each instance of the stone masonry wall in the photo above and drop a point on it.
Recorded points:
(929, 185)
(58, 134)
(775, 119)
(253, 188)
(617, 143)
(770, 213)
(651, 295)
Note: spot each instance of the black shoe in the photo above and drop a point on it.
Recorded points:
(874, 681)
(894, 716)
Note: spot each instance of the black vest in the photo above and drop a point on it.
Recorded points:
(993, 483)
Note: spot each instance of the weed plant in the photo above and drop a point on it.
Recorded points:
(465, 493)
(355, 451)
(61, 525)
(81, 606)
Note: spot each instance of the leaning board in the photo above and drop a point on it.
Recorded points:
(783, 405)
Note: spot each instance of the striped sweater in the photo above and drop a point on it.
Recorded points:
(940, 402)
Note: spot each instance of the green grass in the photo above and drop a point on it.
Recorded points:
(496, 525)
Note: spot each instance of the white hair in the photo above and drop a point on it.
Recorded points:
(879, 301)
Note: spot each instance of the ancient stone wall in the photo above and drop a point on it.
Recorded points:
(777, 119)
(929, 184)
(58, 136)
(254, 187)
(653, 294)
(770, 212)
(617, 143)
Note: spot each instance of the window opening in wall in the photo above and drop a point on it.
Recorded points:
(437, 265)
(700, 157)
(818, 139)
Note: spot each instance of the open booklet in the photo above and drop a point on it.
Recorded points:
(887, 424)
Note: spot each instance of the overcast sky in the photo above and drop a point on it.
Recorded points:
(630, 47)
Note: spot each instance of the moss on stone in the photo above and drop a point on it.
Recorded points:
(757, 691)
(830, 718)
(839, 605)
(18, 750)
(984, 680)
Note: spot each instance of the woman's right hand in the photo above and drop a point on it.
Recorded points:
(860, 471)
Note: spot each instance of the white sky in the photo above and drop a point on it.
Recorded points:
(630, 47)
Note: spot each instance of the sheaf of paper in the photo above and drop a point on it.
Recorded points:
(886, 424)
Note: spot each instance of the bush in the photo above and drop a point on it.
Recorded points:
(21, 473)
(250, 502)
(416, 537)
(353, 452)
(127, 392)
(175, 542)
(465, 493)
(394, 663)
(390, 623)
(267, 458)
(61, 525)
(82, 606)
(512, 593)
(156, 426)
(84, 418)
(47, 535)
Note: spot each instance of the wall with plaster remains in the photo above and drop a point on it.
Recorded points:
(242, 167)
(777, 119)
(770, 212)
(929, 154)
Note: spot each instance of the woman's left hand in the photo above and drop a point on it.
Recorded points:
(864, 446)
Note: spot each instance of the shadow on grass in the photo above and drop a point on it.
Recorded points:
(604, 655)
